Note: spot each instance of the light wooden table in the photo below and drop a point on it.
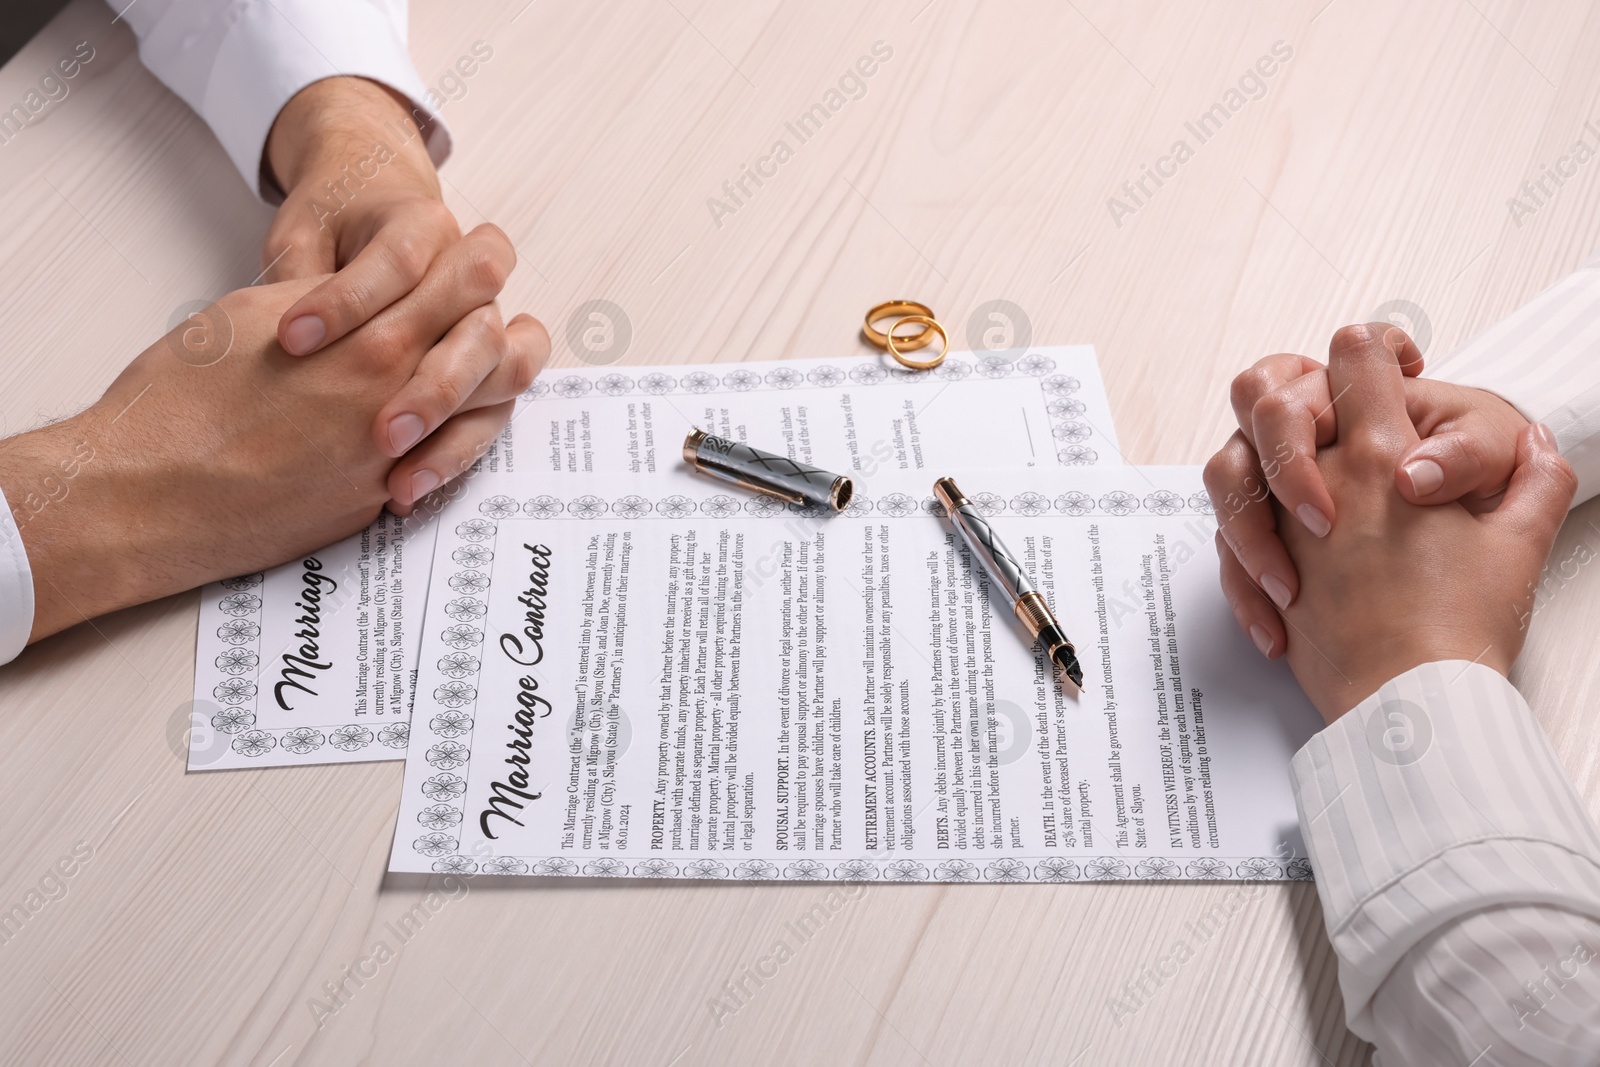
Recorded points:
(977, 166)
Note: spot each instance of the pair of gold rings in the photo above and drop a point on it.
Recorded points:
(906, 313)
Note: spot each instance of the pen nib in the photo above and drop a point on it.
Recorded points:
(1067, 659)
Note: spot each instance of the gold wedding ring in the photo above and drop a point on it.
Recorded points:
(930, 325)
(909, 343)
(910, 313)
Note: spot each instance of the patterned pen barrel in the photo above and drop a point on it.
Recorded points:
(764, 472)
(1006, 573)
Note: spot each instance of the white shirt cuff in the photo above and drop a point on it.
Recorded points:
(1544, 360)
(16, 587)
(1436, 797)
(237, 65)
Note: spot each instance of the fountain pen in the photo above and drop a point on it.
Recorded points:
(1006, 573)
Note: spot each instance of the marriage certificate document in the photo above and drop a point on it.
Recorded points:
(711, 684)
(314, 661)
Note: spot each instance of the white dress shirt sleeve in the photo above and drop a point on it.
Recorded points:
(16, 587)
(1544, 360)
(1459, 874)
(237, 62)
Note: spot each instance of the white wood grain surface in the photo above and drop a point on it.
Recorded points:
(977, 166)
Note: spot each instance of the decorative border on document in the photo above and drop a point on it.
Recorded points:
(240, 630)
(236, 691)
(456, 697)
(1067, 427)
(440, 843)
(892, 505)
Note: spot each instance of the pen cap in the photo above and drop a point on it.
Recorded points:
(766, 472)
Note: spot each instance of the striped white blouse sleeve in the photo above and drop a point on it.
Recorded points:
(1544, 360)
(237, 62)
(1459, 874)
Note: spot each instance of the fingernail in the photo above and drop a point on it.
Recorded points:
(423, 483)
(1426, 476)
(1276, 590)
(304, 335)
(405, 431)
(1546, 438)
(1263, 640)
(1313, 519)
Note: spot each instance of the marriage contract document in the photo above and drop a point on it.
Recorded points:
(709, 684)
(313, 661)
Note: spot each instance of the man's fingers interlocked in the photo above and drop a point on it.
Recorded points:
(389, 266)
(450, 372)
(453, 444)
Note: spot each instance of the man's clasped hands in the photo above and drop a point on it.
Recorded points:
(371, 368)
